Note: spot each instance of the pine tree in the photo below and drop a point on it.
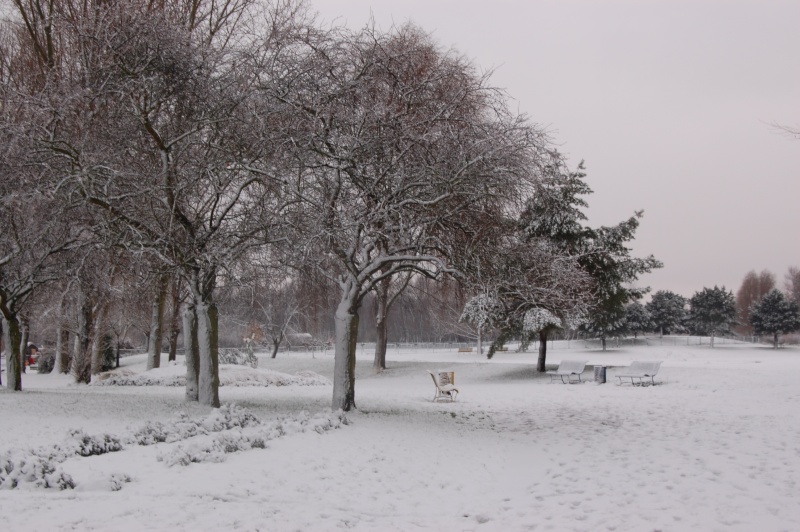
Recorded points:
(637, 318)
(713, 310)
(775, 314)
(667, 311)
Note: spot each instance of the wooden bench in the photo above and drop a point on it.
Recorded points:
(465, 350)
(568, 369)
(640, 371)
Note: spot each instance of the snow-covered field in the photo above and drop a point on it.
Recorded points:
(714, 446)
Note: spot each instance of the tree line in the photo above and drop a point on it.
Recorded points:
(170, 166)
(758, 308)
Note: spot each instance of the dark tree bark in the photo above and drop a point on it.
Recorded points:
(191, 352)
(175, 326)
(156, 324)
(23, 344)
(381, 324)
(12, 338)
(540, 364)
(82, 361)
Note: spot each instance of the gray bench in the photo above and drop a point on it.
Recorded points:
(568, 369)
(637, 372)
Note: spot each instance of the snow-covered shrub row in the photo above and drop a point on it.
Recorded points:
(226, 417)
(234, 376)
(141, 379)
(38, 467)
(238, 358)
(229, 376)
(20, 467)
(255, 438)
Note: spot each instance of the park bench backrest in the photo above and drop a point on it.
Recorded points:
(644, 368)
(571, 366)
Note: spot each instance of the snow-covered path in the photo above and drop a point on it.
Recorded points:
(715, 446)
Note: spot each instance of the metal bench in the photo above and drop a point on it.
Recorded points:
(568, 369)
(640, 371)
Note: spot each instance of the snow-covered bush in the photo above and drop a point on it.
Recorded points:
(238, 358)
(87, 445)
(118, 480)
(20, 467)
(46, 363)
(226, 417)
(228, 376)
(255, 438)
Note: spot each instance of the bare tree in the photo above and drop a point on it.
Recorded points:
(399, 144)
(792, 284)
(753, 288)
(150, 123)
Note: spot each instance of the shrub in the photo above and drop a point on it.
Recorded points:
(47, 362)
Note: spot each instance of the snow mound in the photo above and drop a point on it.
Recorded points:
(229, 375)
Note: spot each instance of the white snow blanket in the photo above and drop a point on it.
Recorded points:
(713, 446)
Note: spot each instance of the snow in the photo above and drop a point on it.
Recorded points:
(714, 446)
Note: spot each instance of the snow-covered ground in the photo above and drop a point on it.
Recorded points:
(714, 446)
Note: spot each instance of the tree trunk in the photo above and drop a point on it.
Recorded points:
(712, 339)
(344, 371)
(25, 332)
(276, 342)
(156, 320)
(480, 341)
(603, 341)
(82, 361)
(12, 338)
(191, 353)
(98, 340)
(775, 341)
(175, 326)
(540, 364)
(62, 348)
(208, 349)
(381, 324)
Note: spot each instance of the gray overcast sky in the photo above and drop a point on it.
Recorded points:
(668, 102)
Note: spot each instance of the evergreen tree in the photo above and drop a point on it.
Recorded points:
(713, 310)
(602, 253)
(637, 318)
(667, 311)
(775, 314)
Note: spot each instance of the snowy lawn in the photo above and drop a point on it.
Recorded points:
(714, 446)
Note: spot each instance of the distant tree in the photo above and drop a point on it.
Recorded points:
(667, 311)
(713, 310)
(775, 314)
(637, 318)
(754, 287)
(792, 284)
(482, 311)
